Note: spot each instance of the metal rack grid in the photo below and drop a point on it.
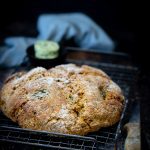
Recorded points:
(103, 139)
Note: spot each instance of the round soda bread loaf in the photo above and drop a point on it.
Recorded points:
(66, 99)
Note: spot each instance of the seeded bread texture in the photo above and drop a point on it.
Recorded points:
(65, 99)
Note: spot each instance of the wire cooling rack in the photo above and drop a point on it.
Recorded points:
(14, 137)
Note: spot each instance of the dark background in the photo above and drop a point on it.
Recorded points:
(119, 18)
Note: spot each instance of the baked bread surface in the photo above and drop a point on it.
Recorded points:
(66, 99)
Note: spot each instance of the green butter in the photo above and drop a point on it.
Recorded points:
(46, 49)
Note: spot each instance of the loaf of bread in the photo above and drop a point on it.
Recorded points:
(66, 99)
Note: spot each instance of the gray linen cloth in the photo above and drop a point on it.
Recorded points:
(57, 27)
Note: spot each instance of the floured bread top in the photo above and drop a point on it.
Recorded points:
(67, 99)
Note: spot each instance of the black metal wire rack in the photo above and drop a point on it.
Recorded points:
(11, 134)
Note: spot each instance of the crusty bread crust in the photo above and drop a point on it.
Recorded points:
(66, 99)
